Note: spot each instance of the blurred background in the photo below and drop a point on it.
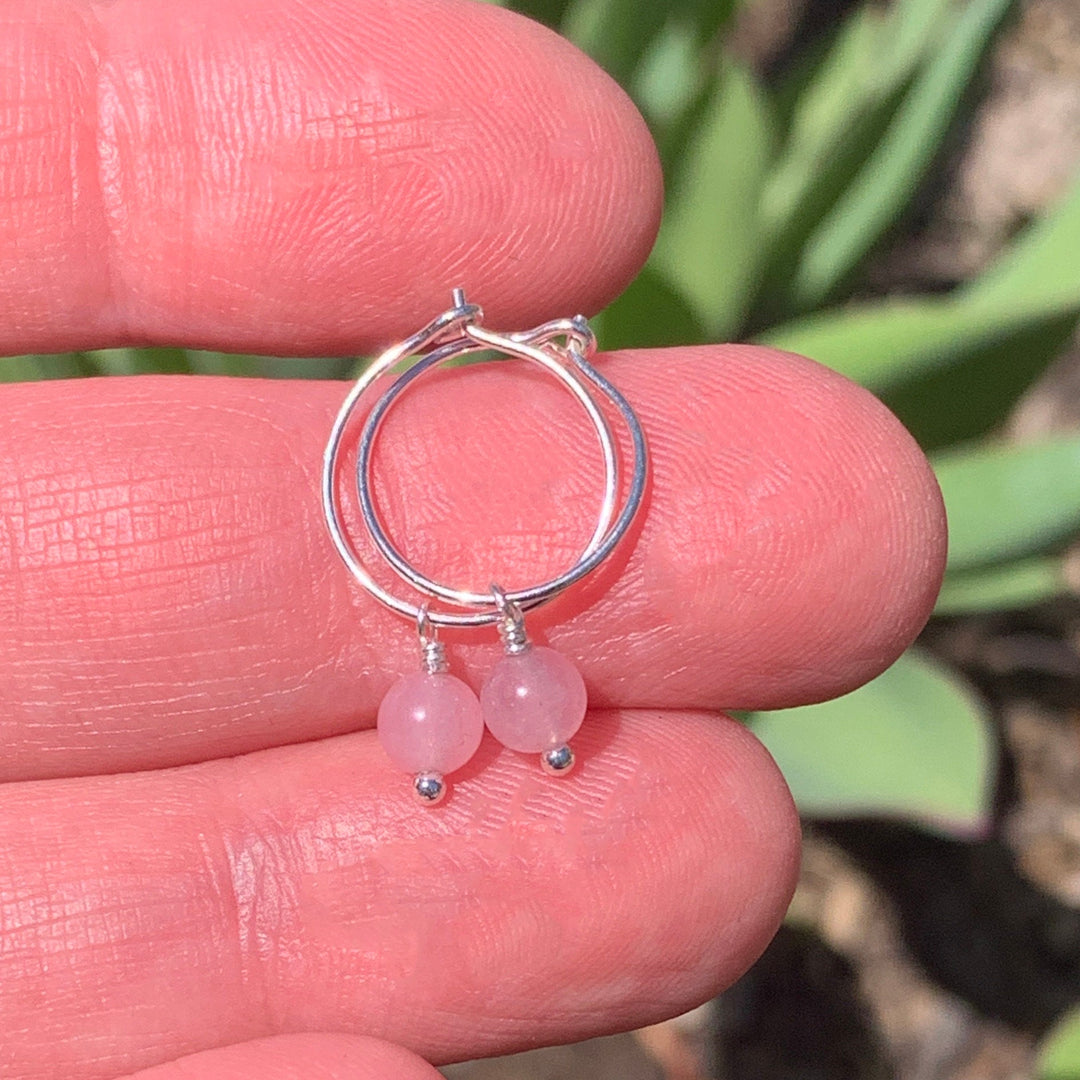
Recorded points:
(893, 188)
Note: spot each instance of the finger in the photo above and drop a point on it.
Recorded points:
(297, 1057)
(304, 177)
(301, 889)
(169, 591)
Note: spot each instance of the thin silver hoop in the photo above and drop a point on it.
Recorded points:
(404, 569)
(456, 347)
(456, 333)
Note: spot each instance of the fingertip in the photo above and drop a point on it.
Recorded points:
(772, 844)
(701, 846)
(894, 510)
(601, 175)
(307, 178)
(810, 539)
(736, 805)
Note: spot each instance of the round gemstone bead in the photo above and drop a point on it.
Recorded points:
(430, 723)
(533, 700)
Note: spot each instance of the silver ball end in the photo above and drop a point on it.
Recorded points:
(557, 762)
(429, 788)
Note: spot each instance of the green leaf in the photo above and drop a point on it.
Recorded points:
(823, 115)
(45, 366)
(139, 361)
(21, 369)
(972, 398)
(885, 342)
(1001, 588)
(882, 344)
(983, 345)
(1005, 502)
(1058, 1056)
(549, 12)
(837, 116)
(268, 367)
(710, 18)
(888, 179)
(1040, 272)
(619, 34)
(670, 76)
(912, 743)
(709, 246)
(913, 27)
(649, 314)
(615, 33)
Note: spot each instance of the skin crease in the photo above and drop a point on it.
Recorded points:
(297, 1057)
(311, 177)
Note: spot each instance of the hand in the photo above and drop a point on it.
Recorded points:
(204, 851)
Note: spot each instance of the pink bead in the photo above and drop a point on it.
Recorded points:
(533, 700)
(430, 723)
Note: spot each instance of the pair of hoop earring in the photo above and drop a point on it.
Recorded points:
(430, 723)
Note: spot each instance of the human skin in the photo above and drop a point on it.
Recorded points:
(207, 866)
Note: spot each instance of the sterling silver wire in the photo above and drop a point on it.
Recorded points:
(455, 333)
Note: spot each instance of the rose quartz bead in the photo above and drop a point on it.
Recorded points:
(430, 723)
(533, 700)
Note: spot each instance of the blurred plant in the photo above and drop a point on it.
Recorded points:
(1059, 1054)
(777, 195)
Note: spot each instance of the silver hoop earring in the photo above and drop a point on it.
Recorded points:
(430, 723)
